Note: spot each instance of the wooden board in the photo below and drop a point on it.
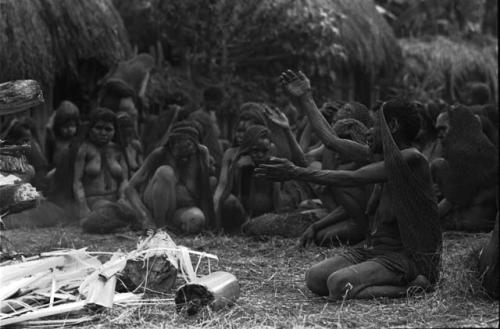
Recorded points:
(20, 95)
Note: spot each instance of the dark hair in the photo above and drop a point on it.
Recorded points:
(102, 114)
(213, 94)
(480, 93)
(18, 129)
(360, 112)
(252, 135)
(407, 115)
(66, 112)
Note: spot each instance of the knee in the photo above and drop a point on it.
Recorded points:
(232, 202)
(338, 283)
(165, 173)
(190, 221)
(315, 281)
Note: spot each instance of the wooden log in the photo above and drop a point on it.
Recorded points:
(20, 95)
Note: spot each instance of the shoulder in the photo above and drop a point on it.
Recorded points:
(157, 153)
(414, 157)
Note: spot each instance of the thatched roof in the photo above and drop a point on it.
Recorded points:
(253, 41)
(367, 38)
(439, 67)
(40, 39)
(324, 35)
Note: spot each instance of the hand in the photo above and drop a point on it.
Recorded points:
(277, 117)
(308, 236)
(277, 170)
(297, 85)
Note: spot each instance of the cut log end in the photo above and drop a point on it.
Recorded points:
(155, 274)
(20, 95)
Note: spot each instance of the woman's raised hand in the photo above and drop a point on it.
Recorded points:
(276, 116)
(295, 84)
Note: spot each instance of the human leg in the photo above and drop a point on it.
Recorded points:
(317, 275)
(352, 281)
(160, 196)
(233, 214)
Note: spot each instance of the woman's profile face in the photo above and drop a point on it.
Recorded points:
(102, 132)
(241, 128)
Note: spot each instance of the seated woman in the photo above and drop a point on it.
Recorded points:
(347, 222)
(404, 242)
(257, 196)
(171, 189)
(100, 176)
(466, 174)
(229, 212)
(132, 146)
(235, 177)
(209, 135)
(20, 132)
(61, 131)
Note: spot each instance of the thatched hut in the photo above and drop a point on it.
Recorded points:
(65, 44)
(438, 67)
(345, 46)
(371, 55)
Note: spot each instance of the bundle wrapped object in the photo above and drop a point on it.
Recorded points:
(13, 159)
(18, 197)
(288, 225)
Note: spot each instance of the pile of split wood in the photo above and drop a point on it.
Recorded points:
(76, 283)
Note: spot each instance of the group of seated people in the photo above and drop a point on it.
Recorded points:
(391, 178)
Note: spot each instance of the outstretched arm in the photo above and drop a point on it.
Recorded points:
(299, 89)
(282, 170)
(78, 189)
(137, 180)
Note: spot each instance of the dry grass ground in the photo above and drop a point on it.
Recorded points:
(273, 292)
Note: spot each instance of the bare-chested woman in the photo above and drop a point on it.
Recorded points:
(100, 172)
(238, 195)
(467, 173)
(229, 211)
(62, 132)
(404, 243)
(172, 186)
